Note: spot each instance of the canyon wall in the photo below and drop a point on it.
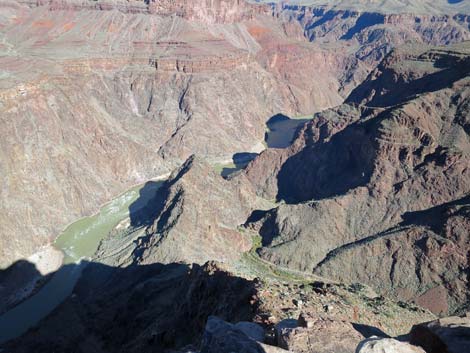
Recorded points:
(98, 96)
(376, 190)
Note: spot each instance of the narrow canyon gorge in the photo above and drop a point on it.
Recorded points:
(234, 176)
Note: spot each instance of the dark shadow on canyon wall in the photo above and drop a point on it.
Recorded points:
(140, 308)
(346, 161)
(401, 91)
(435, 217)
(282, 130)
(142, 209)
(326, 16)
(240, 161)
(330, 168)
(365, 20)
(13, 280)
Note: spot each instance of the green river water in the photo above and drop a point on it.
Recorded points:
(78, 242)
(81, 239)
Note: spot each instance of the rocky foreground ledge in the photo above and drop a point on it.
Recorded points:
(179, 308)
(318, 335)
(126, 90)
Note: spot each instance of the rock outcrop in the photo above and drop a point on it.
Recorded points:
(151, 308)
(380, 195)
(450, 335)
(376, 29)
(220, 336)
(116, 309)
(197, 218)
(320, 336)
(387, 345)
(95, 96)
(99, 95)
(193, 219)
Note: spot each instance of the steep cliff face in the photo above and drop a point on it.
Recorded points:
(96, 96)
(207, 11)
(99, 113)
(362, 184)
(193, 219)
(375, 33)
(210, 11)
(387, 7)
(152, 308)
(99, 95)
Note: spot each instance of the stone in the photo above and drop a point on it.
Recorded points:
(273, 349)
(251, 329)
(283, 326)
(222, 337)
(132, 125)
(110, 298)
(386, 345)
(323, 336)
(96, 96)
(450, 335)
(306, 320)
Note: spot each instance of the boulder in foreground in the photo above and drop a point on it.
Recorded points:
(446, 335)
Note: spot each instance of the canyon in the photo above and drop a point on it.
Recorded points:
(303, 168)
(394, 172)
(152, 78)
